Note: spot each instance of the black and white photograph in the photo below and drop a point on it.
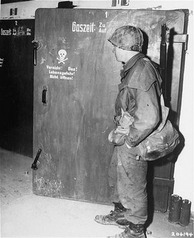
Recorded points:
(96, 119)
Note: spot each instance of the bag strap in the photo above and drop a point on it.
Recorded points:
(162, 100)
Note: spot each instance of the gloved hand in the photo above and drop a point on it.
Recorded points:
(116, 138)
(124, 123)
(118, 135)
(126, 119)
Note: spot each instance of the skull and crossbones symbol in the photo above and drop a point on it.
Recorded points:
(62, 56)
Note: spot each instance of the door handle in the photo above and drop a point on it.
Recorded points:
(44, 95)
(34, 164)
(36, 46)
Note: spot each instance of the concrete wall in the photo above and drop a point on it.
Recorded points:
(184, 168)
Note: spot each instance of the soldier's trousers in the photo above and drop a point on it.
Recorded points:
(127, 180)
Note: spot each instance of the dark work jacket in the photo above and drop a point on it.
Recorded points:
(139, 94)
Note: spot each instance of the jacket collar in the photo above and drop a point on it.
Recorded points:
(130, 63)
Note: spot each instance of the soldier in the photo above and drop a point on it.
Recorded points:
(137, 114)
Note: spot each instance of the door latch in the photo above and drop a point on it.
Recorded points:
(44, 95)
(36, 46)
(34, 164)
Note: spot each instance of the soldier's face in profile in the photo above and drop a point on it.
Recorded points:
(118, 53)
(122, 55)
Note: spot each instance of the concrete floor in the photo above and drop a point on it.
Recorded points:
(24, 214)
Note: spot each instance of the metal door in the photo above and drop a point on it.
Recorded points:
(75, 85)
(16, 91)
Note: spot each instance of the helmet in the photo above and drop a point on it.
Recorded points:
(127, 38)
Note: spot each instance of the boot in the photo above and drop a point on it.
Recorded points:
(112, 217)
(175, 208)
(119, 207)
(185, 213)
(122, 222)
(131, 231)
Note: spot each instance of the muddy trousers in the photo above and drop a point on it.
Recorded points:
(127, 180)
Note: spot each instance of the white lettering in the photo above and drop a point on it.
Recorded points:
(83, 27)
(53, 67)
(66, 78)
(54, 76)
(5, 32)
(61, 73)
(55, 72)
(71, 69)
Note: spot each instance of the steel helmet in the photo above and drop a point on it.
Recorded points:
(127, 38)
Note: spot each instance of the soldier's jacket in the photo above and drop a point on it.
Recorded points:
(139, 94)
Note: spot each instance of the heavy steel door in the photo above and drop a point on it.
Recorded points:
(16, 90)
(75, 85)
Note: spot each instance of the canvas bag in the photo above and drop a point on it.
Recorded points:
(162, 141)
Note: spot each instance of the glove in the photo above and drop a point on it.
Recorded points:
(118, 135)
(126, 119)
(116, 138)
(124, 123)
